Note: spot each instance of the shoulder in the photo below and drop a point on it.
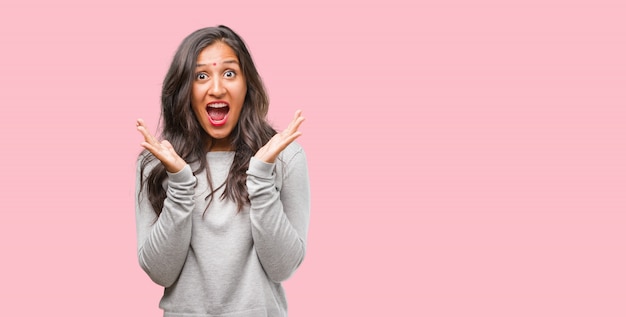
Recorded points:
(291, 159)
(291, 152)
(145, 160)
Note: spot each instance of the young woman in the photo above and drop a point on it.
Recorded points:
(222, 199)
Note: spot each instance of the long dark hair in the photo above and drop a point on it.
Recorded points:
(182, 129)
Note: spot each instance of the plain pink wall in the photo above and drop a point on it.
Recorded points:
(467, 158)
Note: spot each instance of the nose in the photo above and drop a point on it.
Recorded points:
(217, 89)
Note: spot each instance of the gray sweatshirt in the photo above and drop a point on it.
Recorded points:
(227, 263)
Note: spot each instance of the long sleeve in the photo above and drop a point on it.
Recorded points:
(162, 246)
(279, 211)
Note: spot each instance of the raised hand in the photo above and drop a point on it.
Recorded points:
(162, 150)
(279, 141)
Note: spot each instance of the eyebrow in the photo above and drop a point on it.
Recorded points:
(228, 61)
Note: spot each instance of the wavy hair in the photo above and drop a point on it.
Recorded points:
(183, 130)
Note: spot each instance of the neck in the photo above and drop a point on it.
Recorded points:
(219, 145)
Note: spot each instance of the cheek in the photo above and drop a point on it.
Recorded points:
(198, 114)
(196, 94)
(242, 92)
(197, 102)
(195, 106)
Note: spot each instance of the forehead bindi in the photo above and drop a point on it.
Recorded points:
(217, 54)
(229, 63)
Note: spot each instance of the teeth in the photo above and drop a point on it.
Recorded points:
(218, 105)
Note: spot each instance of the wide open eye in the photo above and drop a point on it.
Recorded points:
(229, 74)
(202, 76)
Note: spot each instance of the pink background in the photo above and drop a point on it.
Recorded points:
(467, 158)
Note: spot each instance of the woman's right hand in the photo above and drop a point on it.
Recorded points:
(162, 150)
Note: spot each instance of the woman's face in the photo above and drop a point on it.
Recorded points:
(218, 92)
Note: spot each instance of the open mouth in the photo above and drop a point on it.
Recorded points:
(218, 112)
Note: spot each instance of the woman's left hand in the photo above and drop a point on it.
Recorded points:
(269, 152)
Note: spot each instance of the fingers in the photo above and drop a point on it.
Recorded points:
(150, 143)
(141, 124)
(294, 125)
(167, 145)
(292, 137)
(291, 132)
(149, 147)
(297, 114)
(143, 129)
(281, 140)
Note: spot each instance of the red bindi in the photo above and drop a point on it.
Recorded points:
(214, 64)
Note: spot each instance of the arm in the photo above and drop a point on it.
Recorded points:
(162, 246)
(280, 219)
